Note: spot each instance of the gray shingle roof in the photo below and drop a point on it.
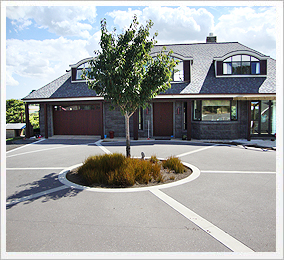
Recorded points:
(203, 80)
(62, 88)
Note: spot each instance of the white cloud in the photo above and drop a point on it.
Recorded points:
(10, 81)
(174, 25)
(255, 29)
(44, 60)
(62, 20)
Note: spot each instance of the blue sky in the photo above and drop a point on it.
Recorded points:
(42, 41)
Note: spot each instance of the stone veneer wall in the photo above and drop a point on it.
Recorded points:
(222, 130)
(114, 121)
(178, 119)
(49, 120)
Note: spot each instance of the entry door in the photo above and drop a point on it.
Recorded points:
(163, 119)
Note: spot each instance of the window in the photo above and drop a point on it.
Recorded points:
(241, 65)
(234, 110)
(140, 118)
(77, 107)
(215, 110)
(197, 110)
(79, 71)
(263, 118)
(177, 74)
(185, 116)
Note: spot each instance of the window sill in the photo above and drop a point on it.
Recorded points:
(187, 81)
(81, 80)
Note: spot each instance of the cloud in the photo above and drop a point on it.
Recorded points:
(255, 29)
(10, 81)
(44, 60)
(61, 20)
(251, 26)
(174, 25)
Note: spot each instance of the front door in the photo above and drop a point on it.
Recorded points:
(163, 118)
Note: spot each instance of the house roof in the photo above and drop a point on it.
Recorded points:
(62, 88)
(203, 80)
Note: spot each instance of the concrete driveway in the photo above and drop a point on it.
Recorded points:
(229, 207)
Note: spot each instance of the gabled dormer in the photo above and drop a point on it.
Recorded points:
(241, 64)
(77, 69)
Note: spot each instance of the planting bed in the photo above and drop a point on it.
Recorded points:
(168, 176)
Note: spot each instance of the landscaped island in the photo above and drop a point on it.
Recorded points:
(116, 170)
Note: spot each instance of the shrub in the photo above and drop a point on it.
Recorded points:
(96, 169)
(120, 178)
(173, 163)
(117, 170)
(154, 159)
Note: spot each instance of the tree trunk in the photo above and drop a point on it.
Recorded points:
(127, 134)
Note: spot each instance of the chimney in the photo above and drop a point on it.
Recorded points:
(211, 38)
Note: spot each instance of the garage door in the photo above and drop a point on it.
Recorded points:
(77, 120)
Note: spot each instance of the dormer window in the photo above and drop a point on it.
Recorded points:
(79, 71)
(178, 72)
(241, 65)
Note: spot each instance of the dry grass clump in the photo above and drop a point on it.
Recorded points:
(174, 163)
(119, 171)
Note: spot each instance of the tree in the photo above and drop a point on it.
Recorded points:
(15, 111)
(125, 74)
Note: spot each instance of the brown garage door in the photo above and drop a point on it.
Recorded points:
(163, 119)
(77, 120)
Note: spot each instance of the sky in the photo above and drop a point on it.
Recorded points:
(43, 40)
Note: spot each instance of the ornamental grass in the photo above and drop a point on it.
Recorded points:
(174, 163)
(118, 171)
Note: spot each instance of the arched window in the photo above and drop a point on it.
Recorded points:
(241, 65)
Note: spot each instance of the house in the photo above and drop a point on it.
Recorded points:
(220, 91)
